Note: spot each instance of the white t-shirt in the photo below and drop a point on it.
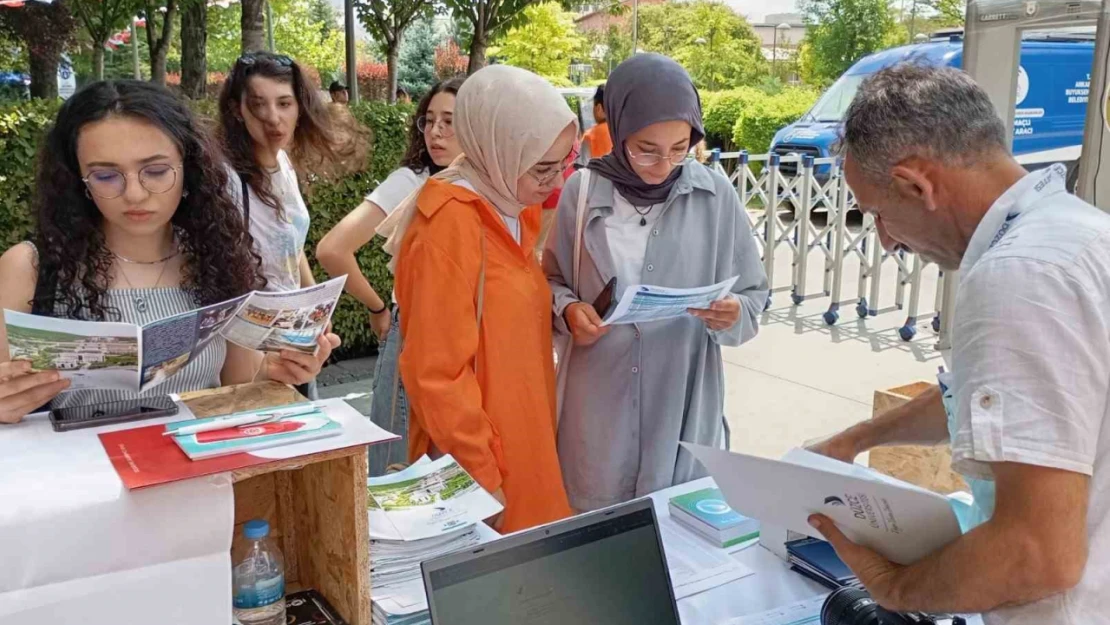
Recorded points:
(396, 187)
(628, 240)
(1031, 363)
(279, 240)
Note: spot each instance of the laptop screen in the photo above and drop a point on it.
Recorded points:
(610, 570)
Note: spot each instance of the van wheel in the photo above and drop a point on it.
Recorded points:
(1073, 176)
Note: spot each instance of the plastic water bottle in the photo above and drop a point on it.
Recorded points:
(258, 578)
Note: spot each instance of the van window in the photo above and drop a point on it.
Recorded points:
(834, 104)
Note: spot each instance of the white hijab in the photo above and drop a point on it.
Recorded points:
(506, 119)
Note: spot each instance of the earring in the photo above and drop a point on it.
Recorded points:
(87, 193)
(185, 193)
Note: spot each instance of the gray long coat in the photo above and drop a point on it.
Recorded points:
(632, 396)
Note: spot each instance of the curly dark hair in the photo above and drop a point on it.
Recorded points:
(416, 156)
(74, 263)
(322, 144)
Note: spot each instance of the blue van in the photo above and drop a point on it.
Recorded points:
(1053, 82)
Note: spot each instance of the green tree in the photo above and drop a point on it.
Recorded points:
(718, 47)
(546, 41)
(194, 48)
(609, 48)
(224, 37)
(44, 31)
(387, 21)
(842, 32)
(299, 33)
(101, 19)
(481, 21)
(160, 19)
(417, 59)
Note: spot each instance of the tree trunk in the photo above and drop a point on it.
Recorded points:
(44, 73)
(478, 47)
(98, 61)
(194, 59)
(253, 25)
(391, 66)
(159, 42)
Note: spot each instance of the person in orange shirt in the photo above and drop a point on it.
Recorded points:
(477, 356)
(597, 142)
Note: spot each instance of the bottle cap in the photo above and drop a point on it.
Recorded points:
(255, 529)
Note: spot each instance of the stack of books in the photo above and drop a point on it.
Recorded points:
(708, 514)
(427, 511)
(817, 560)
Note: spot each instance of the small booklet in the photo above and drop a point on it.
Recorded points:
(641, 303)
(296, 423)
(707, 513)
(105, 355)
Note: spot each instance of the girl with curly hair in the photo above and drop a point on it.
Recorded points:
(133, 224)
(273, 124)
(432, 147)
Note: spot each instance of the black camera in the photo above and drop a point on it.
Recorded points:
(854, 606)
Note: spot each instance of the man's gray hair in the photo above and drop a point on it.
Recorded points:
(912, 109)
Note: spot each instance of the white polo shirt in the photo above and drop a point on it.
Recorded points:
(1031, 363)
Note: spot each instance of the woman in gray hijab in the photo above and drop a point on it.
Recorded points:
(630, 393)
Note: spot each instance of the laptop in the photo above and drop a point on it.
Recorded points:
(607, 567)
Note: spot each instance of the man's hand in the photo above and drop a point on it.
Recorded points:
(842, 447)
(876, 573)
(584, 323)
(721, 314)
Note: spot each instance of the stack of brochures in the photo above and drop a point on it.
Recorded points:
(429, 510)
(708, 514)
(252, 430)
(816, 559)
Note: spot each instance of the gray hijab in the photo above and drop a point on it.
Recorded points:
(644, 90)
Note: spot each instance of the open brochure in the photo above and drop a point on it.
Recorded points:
(427, 500)
(105, 355)
(641, 303)
(901, 521)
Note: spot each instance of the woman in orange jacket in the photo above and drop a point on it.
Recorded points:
(477, 353)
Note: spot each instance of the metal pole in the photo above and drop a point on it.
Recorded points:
(775, 51)
(135, 50)
(635, 25)
(270, 26)
(352, 54)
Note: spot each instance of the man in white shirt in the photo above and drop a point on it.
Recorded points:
(1025, 405)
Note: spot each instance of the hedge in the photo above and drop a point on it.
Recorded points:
(759, 122)
(22, 127)
(721, 110)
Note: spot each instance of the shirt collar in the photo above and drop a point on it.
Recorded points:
(1018, 199)
(694, 176)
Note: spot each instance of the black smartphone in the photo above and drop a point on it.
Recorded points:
(95, 415)
(605, 302)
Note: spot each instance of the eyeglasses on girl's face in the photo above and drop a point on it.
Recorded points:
(426, 124)
(651, 159)
(545, 174)
(109, 184)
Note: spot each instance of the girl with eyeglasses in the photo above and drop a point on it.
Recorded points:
(133, 224)
(432, 147)
(630, 393)
(477, 361)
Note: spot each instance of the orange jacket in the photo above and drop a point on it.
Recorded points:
(499, 423)
(598, 140)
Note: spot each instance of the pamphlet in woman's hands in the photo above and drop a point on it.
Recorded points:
(642, 303)
(95, 355)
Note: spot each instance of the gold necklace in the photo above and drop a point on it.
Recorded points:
(139, 300)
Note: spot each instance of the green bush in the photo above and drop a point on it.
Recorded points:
(759, 122)
(722, 109)
(22, 127)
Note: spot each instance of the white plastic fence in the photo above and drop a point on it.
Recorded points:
(781, 202)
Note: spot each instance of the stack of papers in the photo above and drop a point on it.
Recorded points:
(426, 511)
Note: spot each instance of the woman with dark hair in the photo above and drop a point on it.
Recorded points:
(432, 147)
(272, 123)
(133, 224)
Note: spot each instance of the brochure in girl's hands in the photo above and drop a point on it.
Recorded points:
(123, 356)
(302, 422)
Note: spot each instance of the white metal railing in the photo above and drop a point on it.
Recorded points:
(781, 210)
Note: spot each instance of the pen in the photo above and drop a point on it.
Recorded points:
(232, 422)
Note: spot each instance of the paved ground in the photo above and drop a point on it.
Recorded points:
(799, 379)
